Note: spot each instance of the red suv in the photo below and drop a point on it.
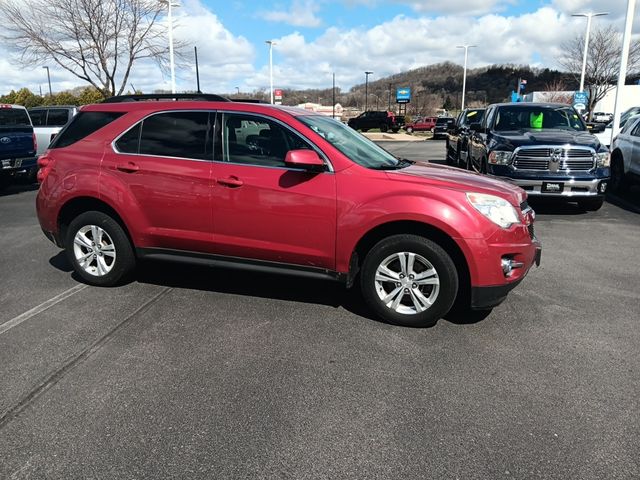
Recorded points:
(281, 190)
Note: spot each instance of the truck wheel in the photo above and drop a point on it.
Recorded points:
(409, 280)
(384, 128)
(99, 249)
(395, 130)
(618, 181)
(591, 204)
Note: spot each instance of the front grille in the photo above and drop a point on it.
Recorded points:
(555, 159)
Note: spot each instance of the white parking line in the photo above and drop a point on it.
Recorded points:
(40, 308)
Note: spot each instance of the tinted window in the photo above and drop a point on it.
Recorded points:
(537, 117)
(473, 116)
(14, 116)
(58, 117)
(256, 141)
(129, 142)
(83, 125)
(38, 117)
(177, 134)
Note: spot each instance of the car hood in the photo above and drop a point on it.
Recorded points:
(462, 180)
(518, 138)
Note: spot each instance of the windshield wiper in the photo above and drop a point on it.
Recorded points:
(402, 163)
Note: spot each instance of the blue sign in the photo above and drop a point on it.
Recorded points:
(580, 100)
(403, 95)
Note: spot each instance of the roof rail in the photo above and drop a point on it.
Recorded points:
(207, 97)
(247, 100)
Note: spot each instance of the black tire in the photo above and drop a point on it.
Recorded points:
(124, 261)
(4, 182)
(395, 130)
(618, 182)
(434, 255)
(364, 129)
(384, 127)
(483, 166)
(591, 204)
(32, 175)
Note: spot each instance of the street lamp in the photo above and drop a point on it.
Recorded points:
(271, 44)
(586, 42)
(464, 75)
(237, 90)
(49, 79)
(171, 4)
(366, 90)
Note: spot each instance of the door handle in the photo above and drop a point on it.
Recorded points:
(233, 182)
(128, 168)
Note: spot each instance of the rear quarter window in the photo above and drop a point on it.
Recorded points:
(83, 125)
(58, 117)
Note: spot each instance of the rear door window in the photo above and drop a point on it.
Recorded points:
(178, 134)
(38, 117)
(58, 117)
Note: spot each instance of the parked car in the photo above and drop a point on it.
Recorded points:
(601, 117)
(458, 136)
(17, 144)
(426, 124)
(607, 134)
(279, 189)
(625, 156)
(48, 121)
(443, 124)
(545, 149)
(377, 119)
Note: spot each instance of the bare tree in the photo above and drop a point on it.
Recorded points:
(556, 92)
(603, 61)
(98, 41)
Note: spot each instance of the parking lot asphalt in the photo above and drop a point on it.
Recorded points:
(208, 373)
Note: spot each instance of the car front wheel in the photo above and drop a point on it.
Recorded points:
(99, 249)
(409, 280)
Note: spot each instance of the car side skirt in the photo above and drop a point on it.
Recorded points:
(239, 263)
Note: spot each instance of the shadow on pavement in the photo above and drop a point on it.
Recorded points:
(18, 188)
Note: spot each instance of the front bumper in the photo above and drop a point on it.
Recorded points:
(570, 188)
(486, 297)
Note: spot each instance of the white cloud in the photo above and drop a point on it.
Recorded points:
(302, 13)
(458, 7)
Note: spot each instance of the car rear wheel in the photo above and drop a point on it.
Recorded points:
(409, 129)
(99, 249)
(384, 128)
(409, 280)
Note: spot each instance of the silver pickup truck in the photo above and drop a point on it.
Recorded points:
(48, 121)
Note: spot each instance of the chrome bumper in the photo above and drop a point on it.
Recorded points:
(572, 188)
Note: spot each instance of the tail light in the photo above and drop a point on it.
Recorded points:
(45, 164)
(35, 143)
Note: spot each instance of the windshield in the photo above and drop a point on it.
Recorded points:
(522, 117)
(14, 117)
(357, 147)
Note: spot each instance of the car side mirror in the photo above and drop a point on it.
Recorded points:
(476, 127)
(304, 159)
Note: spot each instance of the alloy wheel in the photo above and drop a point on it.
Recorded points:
(94, 250)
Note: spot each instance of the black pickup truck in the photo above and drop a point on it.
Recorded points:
(377, 119)
(458, 136)
(544, 148)
(17, 144)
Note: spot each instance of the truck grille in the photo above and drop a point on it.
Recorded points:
(554, 159)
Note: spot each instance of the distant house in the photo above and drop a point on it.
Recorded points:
(323, 109)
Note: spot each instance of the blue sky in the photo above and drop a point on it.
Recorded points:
(317, 37)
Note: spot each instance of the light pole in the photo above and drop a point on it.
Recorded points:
(366, 90)
(271, 44)
(464, 74)
(49, 79)
(237, 90)
(171, 4)
(626, 40)
(586, 42)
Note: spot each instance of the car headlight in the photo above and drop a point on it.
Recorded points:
(603, 159)
(496, 209)
(499, 157)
